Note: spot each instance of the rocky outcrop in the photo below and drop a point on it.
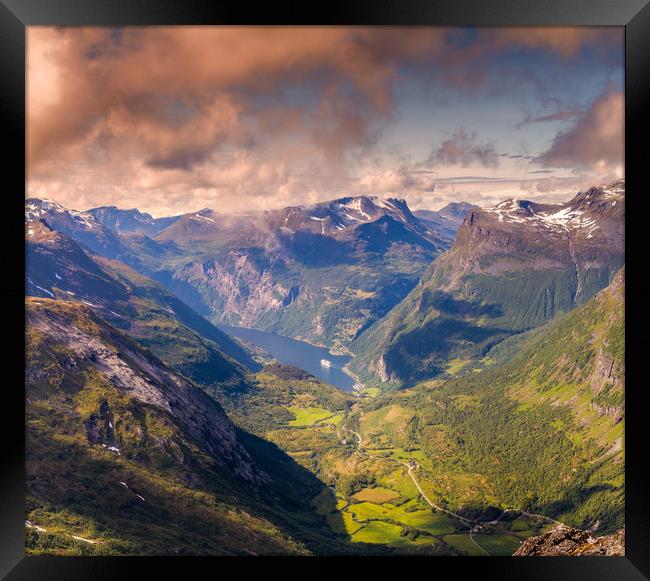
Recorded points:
(74, 331)
(564, 541)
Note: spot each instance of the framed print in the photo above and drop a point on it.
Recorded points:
(353, 292)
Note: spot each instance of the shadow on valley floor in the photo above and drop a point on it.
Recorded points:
(610, 514)
(298, 487)
(421, 353)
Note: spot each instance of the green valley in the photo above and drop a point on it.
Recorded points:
(178, 439)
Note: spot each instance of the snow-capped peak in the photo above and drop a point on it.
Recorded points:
(565, 216)
(38, 208)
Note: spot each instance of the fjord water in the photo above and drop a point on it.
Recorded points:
(298, 353)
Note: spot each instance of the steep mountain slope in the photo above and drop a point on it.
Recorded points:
(126, 456)
(445, 221)
(57, 267)
(541, 432)
(135, 248)
(322, 273)
(128, 221)
(512, 267)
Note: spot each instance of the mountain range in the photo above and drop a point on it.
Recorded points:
(127, 221)
(59, 268)
(151, 431)
(321, 273)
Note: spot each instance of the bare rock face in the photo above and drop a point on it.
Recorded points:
(567, 542)
(242, 286)
(135, 373)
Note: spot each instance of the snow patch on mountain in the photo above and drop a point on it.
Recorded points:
(574, 215)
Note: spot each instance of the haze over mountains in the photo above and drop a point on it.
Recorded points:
(506, 319)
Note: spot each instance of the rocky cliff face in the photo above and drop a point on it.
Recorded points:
(584, 236)
(73, 347)
(567, 542)
(512, 267)
(126, 456)
(238, 287)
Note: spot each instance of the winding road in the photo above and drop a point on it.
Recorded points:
(474, 526)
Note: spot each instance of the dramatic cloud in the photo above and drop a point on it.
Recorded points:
(181, 92)
(595, 141)
(172, 119)
(464, 149)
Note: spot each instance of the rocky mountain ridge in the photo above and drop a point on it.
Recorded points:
(322, 272)
(131, 220)
(60, 268)
(91, 344)
(447, 220)
(511, 268)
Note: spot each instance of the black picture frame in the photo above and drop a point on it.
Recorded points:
(16, 15)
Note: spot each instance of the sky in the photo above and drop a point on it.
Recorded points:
(177, 119)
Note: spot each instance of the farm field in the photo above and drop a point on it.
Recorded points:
(309, 416)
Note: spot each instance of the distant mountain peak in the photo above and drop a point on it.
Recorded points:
(579, 212)
(39, 208)
(612, 191)
(128, 221)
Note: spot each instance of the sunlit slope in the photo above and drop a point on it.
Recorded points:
(512, 268)
(127, 454)
(541, 431)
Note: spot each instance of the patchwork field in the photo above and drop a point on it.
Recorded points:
(361, 447)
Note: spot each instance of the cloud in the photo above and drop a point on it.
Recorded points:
(464, 149)
(564, 41)
(157, 82)
(401, 179)
(180, 92)
(565, 115)
(559, 116)
(173, 119)
(595, 141)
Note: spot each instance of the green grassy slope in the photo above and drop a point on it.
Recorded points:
(130, 458)
(541, 431)
(57, 266)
